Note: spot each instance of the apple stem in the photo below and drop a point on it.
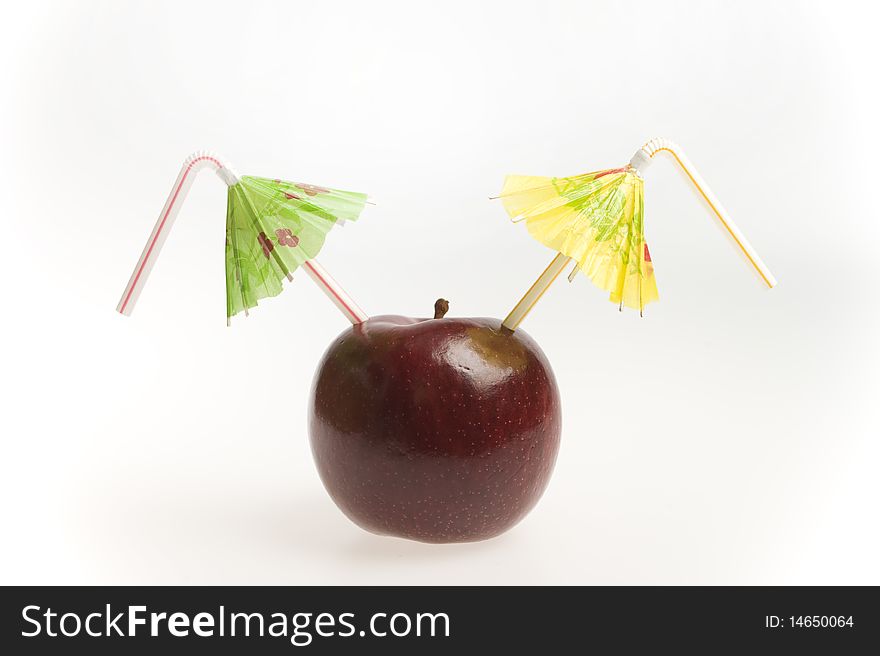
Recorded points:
(441, 307)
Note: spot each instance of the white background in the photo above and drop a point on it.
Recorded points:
(728, 437)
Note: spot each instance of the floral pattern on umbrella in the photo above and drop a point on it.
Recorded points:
(286, 237)
(312, 190)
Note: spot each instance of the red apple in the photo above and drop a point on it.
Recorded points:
(439, 430)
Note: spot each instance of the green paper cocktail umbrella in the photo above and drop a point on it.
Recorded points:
(273, 227)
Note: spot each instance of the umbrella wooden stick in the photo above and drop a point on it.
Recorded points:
(536, 291)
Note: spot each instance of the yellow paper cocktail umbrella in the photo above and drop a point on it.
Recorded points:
(596, 220)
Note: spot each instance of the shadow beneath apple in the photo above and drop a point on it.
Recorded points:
(317, 526)
(379, 548)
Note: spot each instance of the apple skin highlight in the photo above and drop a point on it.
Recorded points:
(437, 430)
